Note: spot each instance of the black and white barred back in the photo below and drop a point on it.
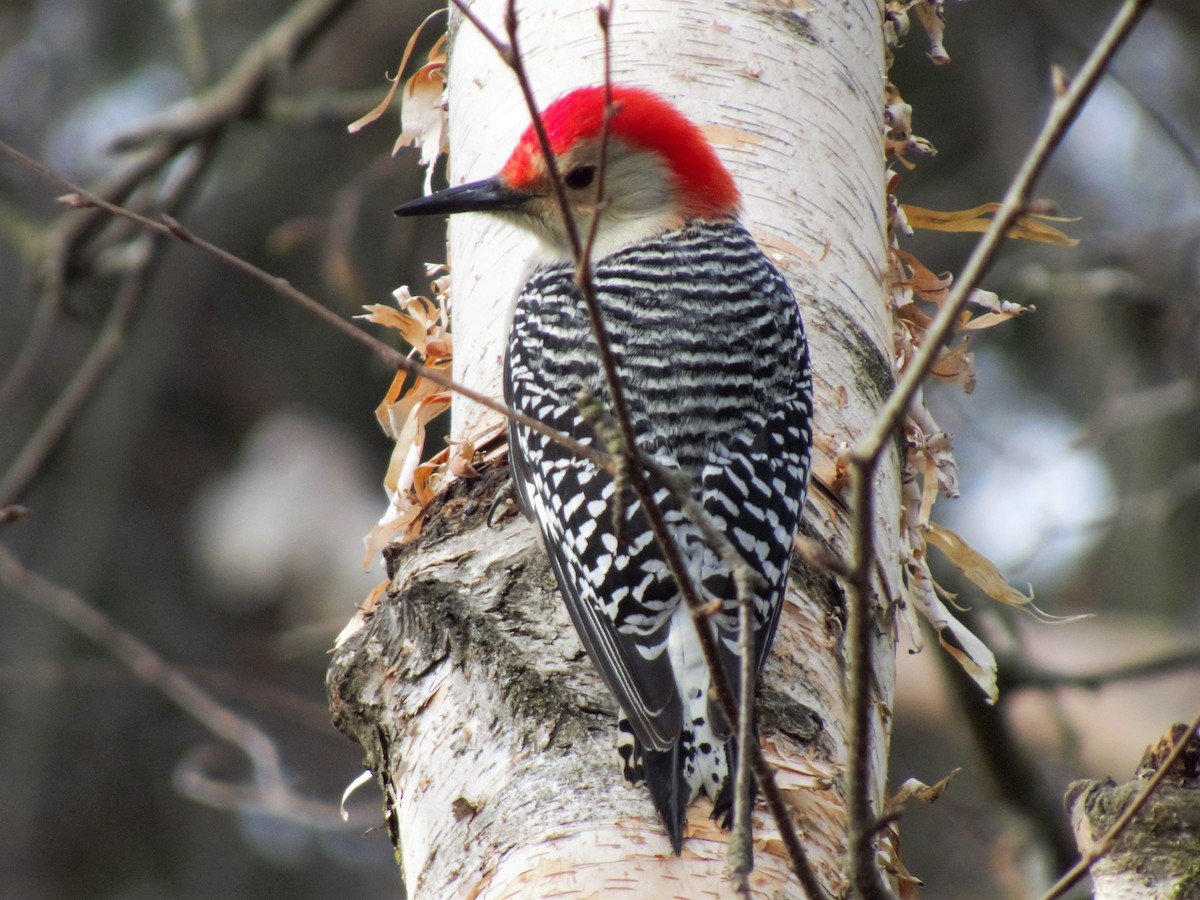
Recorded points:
(711, 350)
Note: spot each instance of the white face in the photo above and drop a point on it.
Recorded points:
(640, 199)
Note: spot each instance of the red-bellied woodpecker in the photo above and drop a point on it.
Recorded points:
(710, 349)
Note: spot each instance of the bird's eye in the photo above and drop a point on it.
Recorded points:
(580, 177)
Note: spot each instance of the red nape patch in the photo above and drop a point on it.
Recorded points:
(642, 119)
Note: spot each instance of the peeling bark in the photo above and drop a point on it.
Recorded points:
(1158, 854)
(480, 714)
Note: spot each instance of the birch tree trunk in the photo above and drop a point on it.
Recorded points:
(479, 712)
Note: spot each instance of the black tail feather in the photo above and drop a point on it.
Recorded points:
(664, 776)
(723, 802)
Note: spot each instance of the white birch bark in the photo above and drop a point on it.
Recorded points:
(470, 692)
(1158, 855)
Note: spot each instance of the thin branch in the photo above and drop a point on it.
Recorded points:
(583, 263)
(240, 93)
(860, 676)
(678, 483)
(503, 50)
(78, 197)
(1016, 773)
(764, 773)
(1049, 12)
(1157, 505)
(319, 108)
(189, 36)
(865, 455)
(817, 554)
(87, 376)
(741, 847)
(148, 666)
(1105, 844)
(62, 246)
(680, 486)
(192, 778)
(269, 792)
(1017, 674)
(198, 118)
(1126, 410)
(81, 675)
(1063, 113)
(604, 16)
(195, 122)
(386, 353)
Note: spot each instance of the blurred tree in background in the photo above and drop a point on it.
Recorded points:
(1080, 448)
(211, 494)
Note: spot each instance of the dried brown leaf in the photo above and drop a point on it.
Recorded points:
(423, 114)
(977, 567)
(462, 459)
(359, 124)
(957, 364)
(913, 789)
(929, 489)
(899, 149)
(955, 638)
(933, 18)
(412, 414)
(399, 402)
(1030, 227)
(924, 283)
(410, 329)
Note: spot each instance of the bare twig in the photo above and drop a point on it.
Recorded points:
(1018, 674)
(860, 677)
(741, 848)
(1017, 774)
(61, 247)
(604, 15)
(822, 557)
(865, 456)
(1127, 410)
(726, 700)
(78, 197)
(583, 262)
(84, 674)
(269, 792)
(107, 347)
(1063, 113)
(1110, 837)
(190, 38)
(237, 95)
(194, 123)
(680, 486)
(1184, 145)
(320, 108)
(1158, 504)
(240, 93)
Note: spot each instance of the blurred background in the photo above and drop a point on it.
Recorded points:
(211, 492)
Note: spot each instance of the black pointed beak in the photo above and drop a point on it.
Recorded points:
(489, 195)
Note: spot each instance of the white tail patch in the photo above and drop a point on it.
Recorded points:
(705, 762)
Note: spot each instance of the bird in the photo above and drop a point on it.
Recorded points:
(710, 348)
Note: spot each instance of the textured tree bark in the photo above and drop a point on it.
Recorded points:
(467, 687)
(1158, 854)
